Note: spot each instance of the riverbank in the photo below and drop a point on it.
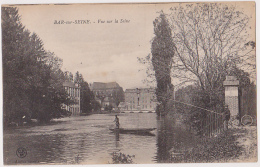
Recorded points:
(35, 122)
(238, 144)
(247, 138)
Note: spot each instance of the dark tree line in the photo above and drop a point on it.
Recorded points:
(32, 78)
(32, 85)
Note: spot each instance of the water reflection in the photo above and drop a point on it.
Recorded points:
(173, 140)
(88, 140)
(117, 139)
(162, 139)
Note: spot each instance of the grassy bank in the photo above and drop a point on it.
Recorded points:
(238, 144)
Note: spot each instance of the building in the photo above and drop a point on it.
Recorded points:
(140, 99)
(109, 94)
(73, 91)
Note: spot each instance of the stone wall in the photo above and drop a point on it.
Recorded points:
(231, 94)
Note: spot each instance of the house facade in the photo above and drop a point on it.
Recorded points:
(140, 99)
(73, 91)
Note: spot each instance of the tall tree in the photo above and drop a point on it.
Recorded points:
(211, 42)
(54, 95)
(22, 55)
(28, 74)
(162, 54)
(210, 39)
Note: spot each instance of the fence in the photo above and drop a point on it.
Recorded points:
(212, 124)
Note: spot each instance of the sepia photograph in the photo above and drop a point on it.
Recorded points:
(129, 83)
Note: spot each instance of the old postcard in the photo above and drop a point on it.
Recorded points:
(136, 83)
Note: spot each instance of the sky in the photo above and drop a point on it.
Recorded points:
(101, 52)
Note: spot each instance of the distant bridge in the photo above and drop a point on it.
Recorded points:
(138, 111)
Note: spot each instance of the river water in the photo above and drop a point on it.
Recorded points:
(88, 140)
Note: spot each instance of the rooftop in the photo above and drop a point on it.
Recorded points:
(101, 85)
(70, 84)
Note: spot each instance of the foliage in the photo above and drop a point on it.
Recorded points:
(118, 95)
(87, 99)
(248, 101)
(96, 105)
(222, 148)
(121, 158)
(68, 76)
(212, 100)
(32, 80)
(108, 108)
(162, 54)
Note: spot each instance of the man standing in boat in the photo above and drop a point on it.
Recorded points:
(117, 122)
